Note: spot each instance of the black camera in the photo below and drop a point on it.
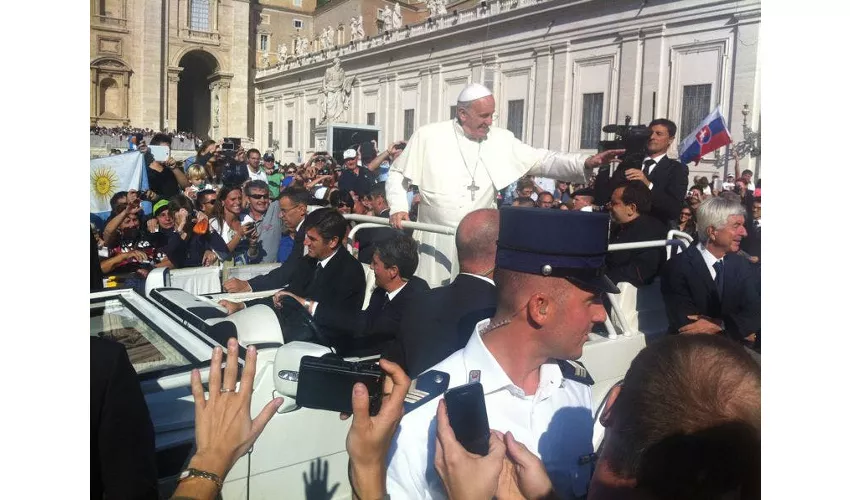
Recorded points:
(326, 383)
(400, 147)
(632, 138)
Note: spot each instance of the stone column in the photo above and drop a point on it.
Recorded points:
(219, 105)
(171, 96)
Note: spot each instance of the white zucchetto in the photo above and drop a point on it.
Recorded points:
(472, 92)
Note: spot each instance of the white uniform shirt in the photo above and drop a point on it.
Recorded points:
(555, 423)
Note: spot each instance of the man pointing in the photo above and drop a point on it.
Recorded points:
(459, 165)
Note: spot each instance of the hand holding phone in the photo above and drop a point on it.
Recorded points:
(468, 417)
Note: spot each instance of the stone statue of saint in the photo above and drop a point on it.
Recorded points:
(299, 47)
(326, 39)
(282, 54)
(216, 109)
(357, 32)
(441, 7)
(264, 59)
(396, 16)
(336, 93)
(387, 18)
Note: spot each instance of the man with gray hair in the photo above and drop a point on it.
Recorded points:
(709, 288)
(459, 165)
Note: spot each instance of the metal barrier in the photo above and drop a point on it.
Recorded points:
(674, 238)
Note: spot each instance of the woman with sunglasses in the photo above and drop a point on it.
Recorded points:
(687, 221)
(235, 228)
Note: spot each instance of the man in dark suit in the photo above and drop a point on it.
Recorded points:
(639, 267)
(123, 460)
(441, 320)
(709, 288)
(293, 210)
(370, 237)
(327, 277)
(667, 179)
(394, 262)
(751, 245)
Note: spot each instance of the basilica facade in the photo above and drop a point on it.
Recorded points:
(560, 69)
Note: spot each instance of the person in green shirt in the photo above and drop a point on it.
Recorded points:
(273, 175)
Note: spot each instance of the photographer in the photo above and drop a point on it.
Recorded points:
(165, 179)
(192, 244)
(353, 177)
(380, 165)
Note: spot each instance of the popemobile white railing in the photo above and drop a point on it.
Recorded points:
(197, 280)
(674, 239)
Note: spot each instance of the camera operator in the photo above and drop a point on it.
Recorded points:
(667, 179)
(380, 165)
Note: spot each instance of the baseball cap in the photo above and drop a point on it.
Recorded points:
(348, 154)
(268, 157)
(575, 251)
(159, 207)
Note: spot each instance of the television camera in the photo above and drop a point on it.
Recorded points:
(632, 138)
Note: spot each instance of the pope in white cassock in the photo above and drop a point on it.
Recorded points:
(459, 165)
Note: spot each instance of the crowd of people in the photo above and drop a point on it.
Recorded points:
(122, 132)
(511, 298)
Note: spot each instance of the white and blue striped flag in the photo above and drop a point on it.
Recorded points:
(112, 174)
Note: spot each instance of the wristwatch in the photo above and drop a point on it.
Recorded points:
(191, 472)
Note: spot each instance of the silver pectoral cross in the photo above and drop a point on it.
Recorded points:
(472, 189)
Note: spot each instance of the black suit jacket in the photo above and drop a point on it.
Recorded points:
(340, 286)
(669, 180)
(752, 243)
(122, 453)
(638, 267)
(377, 327)
(279, 277)
(688, 289)
(440, 322)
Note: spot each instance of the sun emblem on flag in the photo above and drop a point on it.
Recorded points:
(104, 182)
(704, 135)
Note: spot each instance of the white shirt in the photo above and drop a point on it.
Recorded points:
(656, 159)
(391, 295)
(260, 175)
(483, 278)
(555, 423)
(323, 263)
(709, 259)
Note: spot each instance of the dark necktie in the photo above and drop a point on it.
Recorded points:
(646, 166)
(718, 278)
(317, 272)
(385, 301)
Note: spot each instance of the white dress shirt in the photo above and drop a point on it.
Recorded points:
(709, 259)
(656, 159)
(323, 263)
(483, 278)
(555, 423)
(391, 295)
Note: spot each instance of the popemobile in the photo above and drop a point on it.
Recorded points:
(173, 327)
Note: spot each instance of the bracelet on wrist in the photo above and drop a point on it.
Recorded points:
(192, 472)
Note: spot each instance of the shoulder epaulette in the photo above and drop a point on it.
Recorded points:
(575, 371)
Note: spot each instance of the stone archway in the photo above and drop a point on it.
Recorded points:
(194, 101)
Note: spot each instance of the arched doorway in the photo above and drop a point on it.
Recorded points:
(193, 93)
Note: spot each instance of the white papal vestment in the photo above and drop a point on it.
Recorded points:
(442, 162)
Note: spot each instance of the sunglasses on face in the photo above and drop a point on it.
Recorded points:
(258, 196)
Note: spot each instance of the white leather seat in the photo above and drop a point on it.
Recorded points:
(642, 309)
(370, 284)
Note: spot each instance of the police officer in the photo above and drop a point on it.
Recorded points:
(548, 296)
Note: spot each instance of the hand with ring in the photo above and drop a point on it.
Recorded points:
(224, 430)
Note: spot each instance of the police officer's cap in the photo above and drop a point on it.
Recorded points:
(567, 244)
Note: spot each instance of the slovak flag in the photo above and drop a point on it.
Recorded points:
(711, 134)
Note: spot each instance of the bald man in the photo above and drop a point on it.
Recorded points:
(442, 320)
(459, 165)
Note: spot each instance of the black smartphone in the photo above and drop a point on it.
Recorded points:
(468, 417)
(401, 146)
(326, 383)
